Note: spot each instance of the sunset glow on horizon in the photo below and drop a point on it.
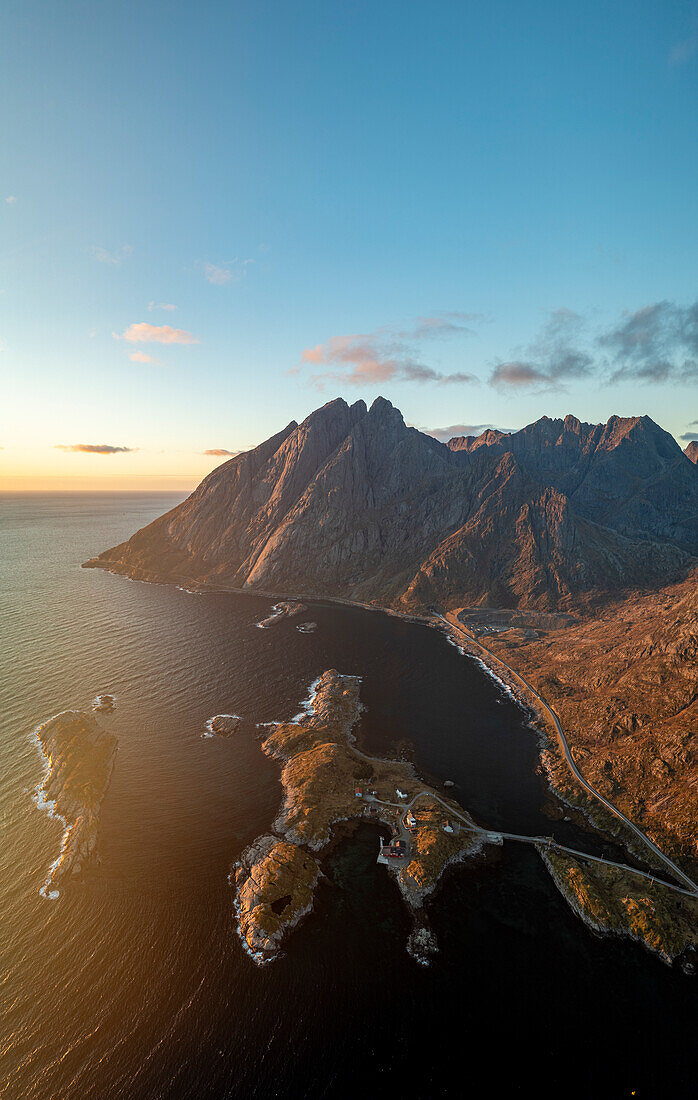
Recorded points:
(490, 225)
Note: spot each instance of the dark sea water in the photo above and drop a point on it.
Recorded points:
(133, 982)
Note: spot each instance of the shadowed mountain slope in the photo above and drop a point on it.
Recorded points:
(353, 503)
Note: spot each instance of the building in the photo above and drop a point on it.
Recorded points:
(358, 792)
(448, 827)
(410, 820)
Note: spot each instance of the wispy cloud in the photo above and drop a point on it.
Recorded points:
(141, 357)
(658, 343)
(11, 199)
(226, 272)
(689, 437)
(94, 448)
(444, 434)
(682, 52)
(553, 359)
(104, 256)
(221, 451)
(162, 305)
(385, 355)
(144, 333)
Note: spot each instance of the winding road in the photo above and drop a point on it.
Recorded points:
(692, 887)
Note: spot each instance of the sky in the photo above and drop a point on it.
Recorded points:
(215, 217)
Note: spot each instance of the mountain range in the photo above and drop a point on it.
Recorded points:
(354, 503)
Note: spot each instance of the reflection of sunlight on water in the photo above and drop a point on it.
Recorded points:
(134, 983)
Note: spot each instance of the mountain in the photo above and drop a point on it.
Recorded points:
(628, 474)
(691, 451)
(353, 503)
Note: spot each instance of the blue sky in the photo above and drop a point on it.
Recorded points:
(485, 211)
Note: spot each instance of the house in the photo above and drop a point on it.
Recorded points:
(399, 793)
(448, 827)
(358, 792)
(410, 820)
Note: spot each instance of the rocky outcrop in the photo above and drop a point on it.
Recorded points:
(225, 725)
(691, 451)
(274, 890)
(352, 503)
(614, 901)
(79, 757)
(322, 770)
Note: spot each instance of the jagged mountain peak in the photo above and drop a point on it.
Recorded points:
(352, 502)
(691, 451)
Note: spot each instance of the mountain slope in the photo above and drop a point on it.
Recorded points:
(353, 503)
(628, 474)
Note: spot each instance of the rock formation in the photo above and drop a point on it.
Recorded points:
(353, 503)
(79, 757)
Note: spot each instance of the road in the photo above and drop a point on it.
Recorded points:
(542, 841)
(676, 871)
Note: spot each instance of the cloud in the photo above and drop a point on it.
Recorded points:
(11, 199)
(95, 448)
(444, 434)
(141, 357)
(226, 272)
(554, 358)
(689, 437)
(682, 52)
(218, 451)
(658, 343)
(385, 355)
(103, 256)
(143, 333)
(162, 305)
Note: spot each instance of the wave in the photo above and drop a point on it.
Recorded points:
(505, 688)
(48, 806)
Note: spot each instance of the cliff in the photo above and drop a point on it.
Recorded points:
(353, 503)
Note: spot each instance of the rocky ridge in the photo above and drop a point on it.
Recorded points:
(354, 504)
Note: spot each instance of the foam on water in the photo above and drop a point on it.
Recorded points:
(48, 806)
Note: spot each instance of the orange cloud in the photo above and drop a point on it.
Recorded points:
(385, 355)
(141, 357)
(94, 448)
(219, 451)
(143, 333)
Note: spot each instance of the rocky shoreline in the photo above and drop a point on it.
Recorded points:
(78, 757)
(614, 902)
(276, 875)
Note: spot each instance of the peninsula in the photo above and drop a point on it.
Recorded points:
(326, 779)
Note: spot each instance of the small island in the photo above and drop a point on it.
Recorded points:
(612, 900)
(327, 780)
(79, 757)
(225, 725)
(104, 704)
(284, 610)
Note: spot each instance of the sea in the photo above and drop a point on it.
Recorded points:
(133, 982)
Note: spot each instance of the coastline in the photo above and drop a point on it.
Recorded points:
(506, 679)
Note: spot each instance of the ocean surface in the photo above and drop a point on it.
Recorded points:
(133, 982)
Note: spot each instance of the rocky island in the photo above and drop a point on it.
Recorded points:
(327, 780)
(614, 901)
(79, 757)
(284, 610)
(225, 725)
